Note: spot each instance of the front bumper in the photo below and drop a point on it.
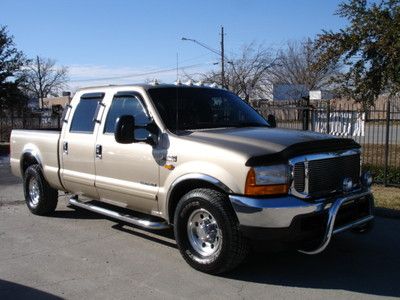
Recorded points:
(292, 219)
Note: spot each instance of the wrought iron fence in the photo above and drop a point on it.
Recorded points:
(377, 129)
(7, 123)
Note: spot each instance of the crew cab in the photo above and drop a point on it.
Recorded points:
(198, 159)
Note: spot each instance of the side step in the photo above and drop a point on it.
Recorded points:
(148, 224)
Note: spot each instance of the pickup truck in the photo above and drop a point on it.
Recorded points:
(201, 160)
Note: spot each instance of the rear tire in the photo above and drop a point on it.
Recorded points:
(207, 232)
(40, 197)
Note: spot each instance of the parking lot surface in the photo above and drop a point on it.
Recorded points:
(77, 254)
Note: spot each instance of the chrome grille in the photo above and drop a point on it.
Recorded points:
(320, 175)
(299, 177)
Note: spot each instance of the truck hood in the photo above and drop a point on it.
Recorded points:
(264, 145)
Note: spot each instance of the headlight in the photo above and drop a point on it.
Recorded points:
(268, 180)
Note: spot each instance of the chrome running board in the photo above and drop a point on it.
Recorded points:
(148, 224)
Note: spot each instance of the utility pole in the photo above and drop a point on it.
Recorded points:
(222, 57)
(220, 52)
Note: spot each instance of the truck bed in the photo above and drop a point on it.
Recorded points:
(43, 146)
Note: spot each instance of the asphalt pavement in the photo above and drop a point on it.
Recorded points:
(76, 254)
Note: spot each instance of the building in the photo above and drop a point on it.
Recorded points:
(56, 102)
(321, 95)
(285, 91)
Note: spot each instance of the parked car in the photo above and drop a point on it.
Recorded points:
(199, 159)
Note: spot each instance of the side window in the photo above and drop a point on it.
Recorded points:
(126, 105)
(82, 120)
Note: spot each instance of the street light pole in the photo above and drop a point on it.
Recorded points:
(221, 53)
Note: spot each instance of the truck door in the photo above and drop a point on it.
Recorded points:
(126, 173)
(78, 146)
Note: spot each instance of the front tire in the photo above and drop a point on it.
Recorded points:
(207, 232)
(40, 197)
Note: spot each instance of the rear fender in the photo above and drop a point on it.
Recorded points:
(30, 155)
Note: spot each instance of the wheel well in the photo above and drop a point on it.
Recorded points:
(27, 161)
(184, 187)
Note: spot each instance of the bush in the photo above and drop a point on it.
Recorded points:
(378, 172)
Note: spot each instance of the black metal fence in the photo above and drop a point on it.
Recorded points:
(377, 129)
(7, 123)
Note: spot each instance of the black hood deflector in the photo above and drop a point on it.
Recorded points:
(317, 146)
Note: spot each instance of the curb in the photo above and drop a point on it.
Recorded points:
(386, 213)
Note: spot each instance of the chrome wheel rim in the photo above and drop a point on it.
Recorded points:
(204, 234)
(34, 192)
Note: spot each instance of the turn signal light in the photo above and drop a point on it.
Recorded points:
(252, 189)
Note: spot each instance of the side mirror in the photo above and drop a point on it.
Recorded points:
(125, 130)
(271, 120)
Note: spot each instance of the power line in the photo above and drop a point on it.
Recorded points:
(137, 74)
(220, 53)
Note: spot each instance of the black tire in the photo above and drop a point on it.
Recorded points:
(364, 228)
(232, 246)
(46, 201)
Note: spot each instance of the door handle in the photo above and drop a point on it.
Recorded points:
(99, 151)
(65, 147)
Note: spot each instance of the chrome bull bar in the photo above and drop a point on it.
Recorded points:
(332, 213)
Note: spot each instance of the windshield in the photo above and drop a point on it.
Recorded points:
(200, 108)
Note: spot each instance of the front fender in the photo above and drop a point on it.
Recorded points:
(199, 170)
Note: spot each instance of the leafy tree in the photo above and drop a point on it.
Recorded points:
(11, 61)
(369, 47)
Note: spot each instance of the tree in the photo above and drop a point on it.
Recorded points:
(11, 61)
(247, 75)
(296, 64)
(369, 47)
(42, 78)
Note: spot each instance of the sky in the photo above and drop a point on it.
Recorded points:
(121, 41)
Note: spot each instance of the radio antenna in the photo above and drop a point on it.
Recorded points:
(177, 94)
(177, 67)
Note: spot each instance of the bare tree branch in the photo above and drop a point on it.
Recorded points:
(297, 65)
(247, 75)
(42, 78)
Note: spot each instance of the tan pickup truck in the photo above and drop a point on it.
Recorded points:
(199, 159)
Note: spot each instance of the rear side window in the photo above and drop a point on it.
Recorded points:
(84, 114)
(125, 104)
